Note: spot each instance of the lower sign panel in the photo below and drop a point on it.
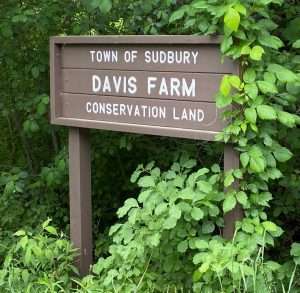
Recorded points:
(148, 112)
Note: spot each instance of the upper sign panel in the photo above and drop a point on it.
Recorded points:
(161, 85)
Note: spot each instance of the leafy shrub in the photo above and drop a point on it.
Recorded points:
(38, 262)
(170, 239)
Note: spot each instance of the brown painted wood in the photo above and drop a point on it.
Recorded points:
(79, 81)
(80, 197)
(231, 161)
(208, 58)
(130, 39)
(150, 112)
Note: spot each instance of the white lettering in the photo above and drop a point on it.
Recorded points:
(147, 57)
(117, 83)
(175, 83)
(106, 85)
(92, 53)
(195, 54)
(96, 83)
(150, 84)
(163, 89)
(188, 91)
(88, 106)
(132, 88)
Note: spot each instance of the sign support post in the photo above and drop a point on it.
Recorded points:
(231, 161)
(80, 196)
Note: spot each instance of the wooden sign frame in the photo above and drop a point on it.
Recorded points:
(74, 63)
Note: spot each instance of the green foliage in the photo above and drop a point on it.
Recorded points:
(38, 262)
(152, 247)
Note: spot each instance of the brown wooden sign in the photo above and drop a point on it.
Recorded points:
(161, 85)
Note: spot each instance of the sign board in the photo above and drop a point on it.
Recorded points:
(162, 85)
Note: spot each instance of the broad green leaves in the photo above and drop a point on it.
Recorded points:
(266, 112)
(230, 201)
(249, 75)
(256, 53)
(104, 5)
(267, 87)
(176, 15)
(296, 44)
(250, 114)
(232, 19)
(282, 73)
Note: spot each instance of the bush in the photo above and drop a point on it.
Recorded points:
(38, 262)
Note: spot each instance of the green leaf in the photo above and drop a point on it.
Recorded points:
(104, 5)
(256, 53)
(249, 75)
(245, 158)
(296, 44)
(135, 176)
(19, 233)
(176, 15)
(251, 115)
(25, 276)
(270, 77)
(34, 127)
(197, 214)
(175, 212)
(27, 256)
(225, 86)
(114, 229)
(235, 81)
(6, 31)
(35, 72)
(295, 251)
(266, 112)
(201, 244)
(46, 223)
(286, 118)
(146, 181)
(41, 109)
(51, 230)
(238, 174)
(169, 223)
(269, 226)
(229, 179)
(9, 187)
(182, 246)
(197, 275)
(282, 154)
(222, 101)
(252, 90)
(246, 50)
(129, 203)
(162, 207)
(248, 227)
(204, 186)
(242, 198)
(50, 178)
(154, 240)
(232, 19)
(229, 202)
(270, 41)
(226, 43)
(257, 164)
(267, 87)
(240, 8)
(282, 73)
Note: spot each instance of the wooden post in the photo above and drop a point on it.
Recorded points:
(231, 161)
(80, 197)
